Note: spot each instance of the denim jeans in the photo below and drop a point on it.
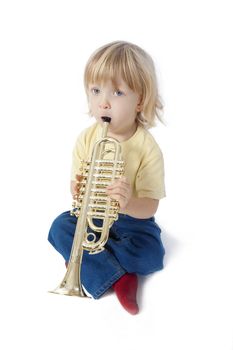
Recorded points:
(134, 246)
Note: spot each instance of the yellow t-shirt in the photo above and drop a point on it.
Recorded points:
(144, 167)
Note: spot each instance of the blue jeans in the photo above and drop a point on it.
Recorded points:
(134, 246)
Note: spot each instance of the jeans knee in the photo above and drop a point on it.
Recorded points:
(56, 231)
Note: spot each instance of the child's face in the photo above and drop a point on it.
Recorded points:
(118, 102)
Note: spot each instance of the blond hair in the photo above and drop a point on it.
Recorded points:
(135, 67)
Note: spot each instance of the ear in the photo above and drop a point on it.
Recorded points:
(139, 105)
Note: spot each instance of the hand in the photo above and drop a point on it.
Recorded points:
(121, 191)
(76, 186)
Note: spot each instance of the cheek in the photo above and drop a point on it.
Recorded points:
(122, 108)
(129, 110)
(92, 104)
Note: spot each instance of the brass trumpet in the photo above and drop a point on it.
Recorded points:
(106, 165)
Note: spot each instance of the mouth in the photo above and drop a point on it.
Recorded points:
(106, 118)
(105, 115)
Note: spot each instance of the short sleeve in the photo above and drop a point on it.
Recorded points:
(150, 176)
(78, 155)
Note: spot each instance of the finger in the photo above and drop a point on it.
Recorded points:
(79, 177)
(120, 198)
(117, 187)
(125, 180)
(121, 180)
(118, 192)
(120, 184)
(77, 187)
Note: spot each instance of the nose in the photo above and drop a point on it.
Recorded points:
(104, 103)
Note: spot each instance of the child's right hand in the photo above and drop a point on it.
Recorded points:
(75, 186)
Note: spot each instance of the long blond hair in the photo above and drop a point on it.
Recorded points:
(136, 68)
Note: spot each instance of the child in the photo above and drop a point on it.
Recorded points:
(120, 83)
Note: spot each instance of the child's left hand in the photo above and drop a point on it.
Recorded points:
(121, 191)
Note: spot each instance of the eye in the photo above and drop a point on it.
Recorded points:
(118, 93)
(95, 91)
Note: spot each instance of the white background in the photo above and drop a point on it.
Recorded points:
(44, 47)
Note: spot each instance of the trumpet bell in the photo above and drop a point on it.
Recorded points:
(71, 284)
